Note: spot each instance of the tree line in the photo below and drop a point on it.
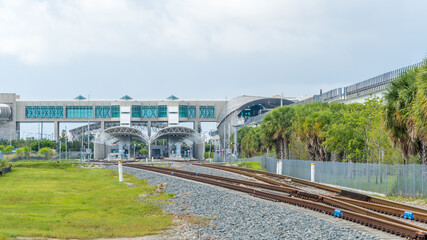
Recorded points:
(392, 129)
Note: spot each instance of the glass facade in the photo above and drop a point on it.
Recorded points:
(149, 112)
(160, 111)
(163, 111)
(102, 112)
(191, 111)
(183, 111)
(187, 111)
(79, 111)
(115, 111)
(44, 112)
(207, 112)
(136, 111)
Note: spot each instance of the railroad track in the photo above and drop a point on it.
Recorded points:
(138, 160)
(112, 162)
(300, 198)
(362, 200)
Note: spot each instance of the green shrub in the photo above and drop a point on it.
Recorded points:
(143, 151)
(46, 152)
(208, 155)
(4, 163)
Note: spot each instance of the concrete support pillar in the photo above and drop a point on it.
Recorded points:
(56, 131)
(18, 130)
(171, 143)
(225, 137)
(229, 135)
(149, 128)
(102, 125)
(197, 126)
(197, 111)
(178, 150)
(149, 150)
(99, 151)
(199, 149)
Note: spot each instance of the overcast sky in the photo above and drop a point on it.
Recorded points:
(202, 48)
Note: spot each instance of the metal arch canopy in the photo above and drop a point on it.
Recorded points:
(120, 131)
(175, 130)
(239, 103)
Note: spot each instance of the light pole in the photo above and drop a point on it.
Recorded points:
(88, 127)
(281, 100)
(38, 140)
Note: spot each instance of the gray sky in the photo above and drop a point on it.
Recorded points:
(203, 49)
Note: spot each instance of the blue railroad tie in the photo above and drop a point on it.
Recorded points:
(172, 173)
(337, 213)
(197, 174)
(408, 215)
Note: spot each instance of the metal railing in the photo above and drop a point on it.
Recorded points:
(363, 88)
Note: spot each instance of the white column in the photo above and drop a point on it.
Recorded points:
(279, 167)
(312, 172)
(120, 172)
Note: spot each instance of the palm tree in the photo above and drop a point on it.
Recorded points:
(310, 123)
(276, 129)
(251, 142)
(404, 118)
(420, 110)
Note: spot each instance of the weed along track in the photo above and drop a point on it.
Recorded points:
(292, 195)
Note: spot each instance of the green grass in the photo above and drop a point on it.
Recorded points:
(61, 201)
(251, 165)
(404, 199)
(46, 161)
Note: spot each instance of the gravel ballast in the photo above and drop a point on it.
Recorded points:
(211, 171)
(232, 215)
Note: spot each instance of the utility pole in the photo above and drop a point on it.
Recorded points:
(225, 138)
(81, 149)
(66, 139)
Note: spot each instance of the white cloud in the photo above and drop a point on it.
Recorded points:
(39, 32)
(45, 32)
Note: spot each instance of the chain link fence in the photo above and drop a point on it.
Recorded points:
(229, 158)
(407, 180)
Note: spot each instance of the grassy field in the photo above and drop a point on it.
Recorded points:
(61, 201)
(251, 165)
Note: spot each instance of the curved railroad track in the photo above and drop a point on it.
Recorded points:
(295, 196)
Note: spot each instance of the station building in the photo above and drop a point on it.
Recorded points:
(121, 120)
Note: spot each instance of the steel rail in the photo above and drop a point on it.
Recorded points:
(345, 193)
(238, 181)
(395, 211)
(395, 227)
(299, 194)
(422, 217)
